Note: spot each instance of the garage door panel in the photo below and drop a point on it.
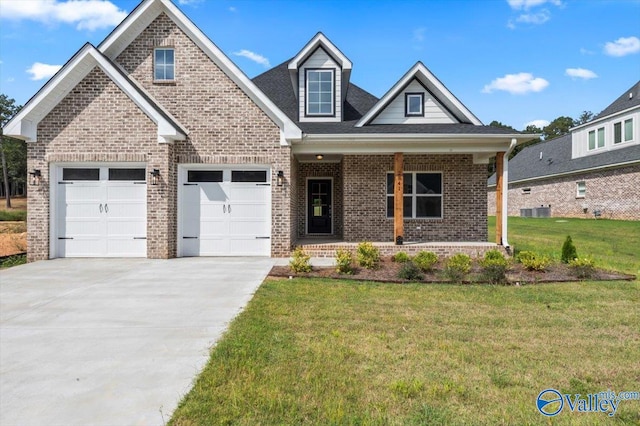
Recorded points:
(82, 247)
(126, 210)
(126, 192)
(245, 192)
(214, 227)
(248, 210)
(82, 227)
(205, 246)
(249, 246)
(129, 228)
(248, 228)
(81, 192)
(126, 247)
(212, 192)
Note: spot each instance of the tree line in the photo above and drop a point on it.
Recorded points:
(13, 155)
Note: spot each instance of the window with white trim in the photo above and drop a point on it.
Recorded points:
(422, 195)
(414, 104)
(596, 139)
(623, 131)
(581, 189)
(164, 66)
(320, 92)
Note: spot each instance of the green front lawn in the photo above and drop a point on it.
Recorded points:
(312, 351)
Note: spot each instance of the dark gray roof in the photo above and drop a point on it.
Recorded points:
(276, 84)
(556, 159)
(623, 102)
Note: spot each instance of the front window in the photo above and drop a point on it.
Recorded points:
(164, 64)
(414, 103)
(320, 92)
(422, 195)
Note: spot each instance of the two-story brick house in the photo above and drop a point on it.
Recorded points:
(155, 144)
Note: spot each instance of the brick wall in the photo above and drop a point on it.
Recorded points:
(225, 126)
(319, 169)
(614, 192)
(95, 122)
(464, 199)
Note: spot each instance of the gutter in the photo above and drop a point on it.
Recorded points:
(505, 192)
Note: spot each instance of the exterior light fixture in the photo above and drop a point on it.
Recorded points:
(35, 176)
(280, 178)
(155, 176)
(319, 156)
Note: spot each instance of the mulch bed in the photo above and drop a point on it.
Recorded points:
(388, 272)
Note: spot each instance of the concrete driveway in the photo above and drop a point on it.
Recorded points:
(112, 341)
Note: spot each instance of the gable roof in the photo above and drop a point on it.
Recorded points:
(432, 84)
(320, 40)
(629, 99)
(24, 125)
(148, 10)
(552, 158)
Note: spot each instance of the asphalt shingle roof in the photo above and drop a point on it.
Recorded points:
(623, 102)
(556, 159)
(276, 84)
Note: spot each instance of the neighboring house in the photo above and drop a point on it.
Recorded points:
(155, 144)
(592, 172)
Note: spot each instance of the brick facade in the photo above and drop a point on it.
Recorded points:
(97, 122)
(464, 199)
(614, 192)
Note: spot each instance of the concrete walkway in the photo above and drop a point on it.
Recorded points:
(112, 342)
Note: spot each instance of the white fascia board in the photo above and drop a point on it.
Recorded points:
(605, 118)
(420, 72)
(317, 41)
(389, 137)
(150, 9)
(574, 172)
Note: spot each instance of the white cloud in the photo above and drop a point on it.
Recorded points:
(189, 2)
(584, 51)
(528, 4)
(232, 9)
(418, 34)
(40, 71)
(255, 57)
(535, 18)
(540, 124)
(85, 14)
(11, 80)
(517, 84)
(622, 46)
(580, 73)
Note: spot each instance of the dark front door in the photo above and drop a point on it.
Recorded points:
(319, 206)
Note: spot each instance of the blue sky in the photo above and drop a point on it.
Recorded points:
(515, 61)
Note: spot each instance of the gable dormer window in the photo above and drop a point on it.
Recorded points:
(320, 92)
(414, 104)
(164, 66)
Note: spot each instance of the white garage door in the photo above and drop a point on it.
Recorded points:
(101, 212)
(225, 212)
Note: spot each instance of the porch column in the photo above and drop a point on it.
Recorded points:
(398, 201)
(499, 189)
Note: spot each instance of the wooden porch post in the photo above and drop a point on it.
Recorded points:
(499, 188)
(398, 198)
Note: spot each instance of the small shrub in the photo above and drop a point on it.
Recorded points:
(425, 260)
(533, 262)
(582, 267)
(457, 266)
(494, 267)
(400, 257)
(410, 272)
(568, 250)
(368, 255)
(13, 215)
(15, 260)
(300, 261)
(344, 261)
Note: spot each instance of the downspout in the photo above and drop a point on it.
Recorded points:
(505, 192)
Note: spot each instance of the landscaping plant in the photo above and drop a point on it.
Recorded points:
(368, 255)
(344, 261)
(425, 260)
(582, 267)
(533, 262)
(494, 267)
(456, 267)
(568, 250)
(300, 261)
(410, 272)
(400, 257)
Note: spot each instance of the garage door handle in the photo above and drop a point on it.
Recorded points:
(65, 238)
(263, 238)
(190, 238)
(100, 207)
(139, 238)
(224, 208)
(229, 208)
(106, 208)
